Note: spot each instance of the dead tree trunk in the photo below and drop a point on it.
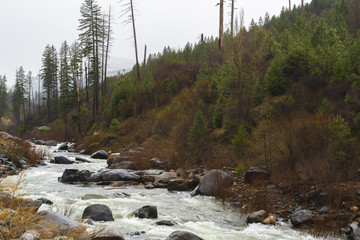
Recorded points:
(290, 5)
(221, 27)
(232, 17)
(145, 54)
(136, 49)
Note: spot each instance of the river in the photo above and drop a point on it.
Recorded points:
(203, 216)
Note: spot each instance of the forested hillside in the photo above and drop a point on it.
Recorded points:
(282, 93)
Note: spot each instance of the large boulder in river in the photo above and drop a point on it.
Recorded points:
(64, 146)
(108, 234)
(301, 217)
(146, 212)
(120, 175)
(51, 143)
(255, 174)
(100, 155)
(214, 183)
(98, 212)
(62, 160)
(183, 235)
(75, 175)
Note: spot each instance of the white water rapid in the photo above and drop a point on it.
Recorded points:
(203, 216)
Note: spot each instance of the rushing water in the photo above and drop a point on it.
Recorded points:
(203, 216)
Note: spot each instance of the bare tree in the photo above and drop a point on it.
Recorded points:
(232, 17)
(108, 44)
(290, 5)
(302, 6)
(221, 25)
(145, 54)
(129, 10)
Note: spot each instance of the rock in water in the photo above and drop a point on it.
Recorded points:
(255, 174)
(182, 235)
(256, 217)
(108, 234)
(146, 212)
(64, 146)
(51, 143)
(100, 155)
(62, 160)
(214, 183)
(98, 212)
(301, 217)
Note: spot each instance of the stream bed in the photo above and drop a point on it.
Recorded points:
(203, 216)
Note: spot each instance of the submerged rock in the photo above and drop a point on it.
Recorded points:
(165, 223)
(51, 143)
(108, 234)
(146, 212)
(182, 235)
(62, 160)
(98, 212)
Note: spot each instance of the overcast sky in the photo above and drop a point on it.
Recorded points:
(27, 26)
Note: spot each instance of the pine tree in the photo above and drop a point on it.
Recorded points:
(49, 76)
(90, 25)
(3, 98)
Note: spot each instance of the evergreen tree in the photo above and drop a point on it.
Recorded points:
(3, 97)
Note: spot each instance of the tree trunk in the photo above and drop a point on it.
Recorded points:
(290, 5)
(221, 27)
(86, 83)
(302, 6)
(232, 17)
(145, 55)
(107, 48)
(136, 49)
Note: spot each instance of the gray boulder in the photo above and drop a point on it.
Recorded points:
(301, 217)
(100, 155)
(55, 224)
(256, 174)
(146, 212)
(214, 183)
(62, 160)
(122, 165)
(70, 176)
(165, 223)
(40, 142)
(182, 235)
(51, 143)
(30, 235)
(80, 159)
(256, 217)
(84, 151)
(98, 212)
(120, 175)
(108, 234)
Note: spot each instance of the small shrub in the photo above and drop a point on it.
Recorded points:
(114, 125)
(239, 141)
(324, 106)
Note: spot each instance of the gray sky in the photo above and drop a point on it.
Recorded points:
(27, 26)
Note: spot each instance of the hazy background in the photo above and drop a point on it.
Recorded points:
(26, 27)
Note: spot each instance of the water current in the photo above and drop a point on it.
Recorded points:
(203, 216)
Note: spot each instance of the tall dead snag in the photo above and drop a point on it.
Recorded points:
(302, 6)
(232, 17)
(221, 25)
(145, 54)
(108, 43)
(290, 5)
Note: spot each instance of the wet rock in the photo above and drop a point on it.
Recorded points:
(177, 185)
(84, 151)
(36, 204)
(51, 143)
(146, 212)
(147, 179)
(256, 174)
(116, 158)
(100, 155)
(64, 146)
(40, 142)
(108, 234)
(120, 175)
(301, 217)
(62, 160)
(80, 159)
(214, 183)
(165, 223)
(183, 235)
(98, 212)
(93, 196)
(70, 176)
(256, 217)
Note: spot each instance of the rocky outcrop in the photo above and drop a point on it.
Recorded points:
(301, 217)
(100, 155)
(98, 212)
(256, 217)
(146, 212)
(182, 235)
(256, 175)
(108, 234)
(62, 160)
(214, 183)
